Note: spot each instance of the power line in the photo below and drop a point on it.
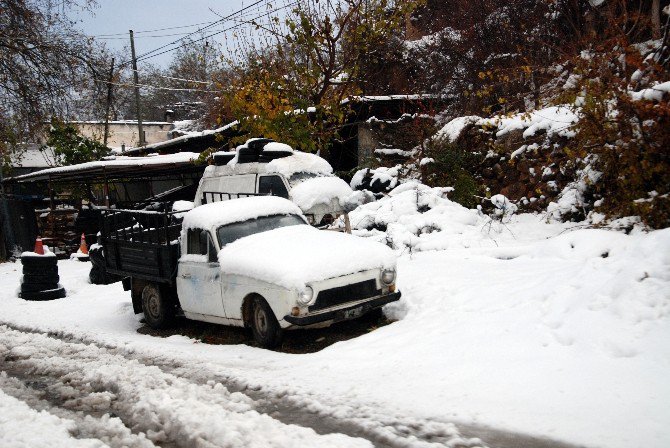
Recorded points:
(148, 86)
(147, 54)
(157, 29)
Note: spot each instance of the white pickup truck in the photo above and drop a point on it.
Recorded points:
(252, 262)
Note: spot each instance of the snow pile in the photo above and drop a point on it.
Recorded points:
(297, 255)
(319, 190)
(504, 208)
(299, 162)
(452, 130)
(414, 216)
(376, 178)
(220, 213)
(555, 120)
(571, 199)
(181, 207)
(654, 93)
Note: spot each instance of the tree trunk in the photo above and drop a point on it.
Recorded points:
(656, 19)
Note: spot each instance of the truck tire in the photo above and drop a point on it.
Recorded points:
(37, 287)
(159, 311)
(264, 325)
(39, 270)
(50, 294)
(38, 262)
(48, 277)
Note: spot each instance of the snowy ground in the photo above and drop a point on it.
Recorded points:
(533, 328)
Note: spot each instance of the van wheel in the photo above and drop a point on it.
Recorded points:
(264, 325)
(159, 312)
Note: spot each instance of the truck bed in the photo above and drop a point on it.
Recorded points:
(141, 244)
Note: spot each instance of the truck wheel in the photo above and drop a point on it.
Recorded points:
(264, 325)
(158, 311)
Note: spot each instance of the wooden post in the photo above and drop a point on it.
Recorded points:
(109, 102)
(137, 90)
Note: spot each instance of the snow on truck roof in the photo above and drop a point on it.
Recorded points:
(298, 162)
(218, 214)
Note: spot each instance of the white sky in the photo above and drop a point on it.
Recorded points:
(119, 16)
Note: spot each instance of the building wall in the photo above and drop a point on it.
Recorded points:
(126, 132)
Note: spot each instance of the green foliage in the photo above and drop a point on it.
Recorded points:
(454, 166)
(70, 147)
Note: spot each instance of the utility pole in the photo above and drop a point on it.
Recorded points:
(137, 90)
(109, 102)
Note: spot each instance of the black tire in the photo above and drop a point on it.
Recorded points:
(48, 277)
(97, 275)
(51, 294)
(159, 311)
(264, 324)
(38, 262)
(38, 287)
(40, 270)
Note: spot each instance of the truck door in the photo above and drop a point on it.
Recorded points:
(199, 276)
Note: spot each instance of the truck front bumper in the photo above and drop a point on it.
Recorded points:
(349, 311)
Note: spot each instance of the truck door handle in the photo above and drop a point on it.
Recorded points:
(186, 276)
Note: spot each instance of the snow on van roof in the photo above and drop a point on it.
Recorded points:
(298, 162)
(221, 213)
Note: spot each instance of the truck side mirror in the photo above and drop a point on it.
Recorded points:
(203, 242)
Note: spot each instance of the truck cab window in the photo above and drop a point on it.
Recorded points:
(273, 185)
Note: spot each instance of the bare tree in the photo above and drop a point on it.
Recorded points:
(43, 60)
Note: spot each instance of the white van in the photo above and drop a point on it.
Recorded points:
(305, 179)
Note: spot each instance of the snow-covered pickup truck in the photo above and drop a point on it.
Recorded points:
(252, 262)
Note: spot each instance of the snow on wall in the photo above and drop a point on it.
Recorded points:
(554, 120)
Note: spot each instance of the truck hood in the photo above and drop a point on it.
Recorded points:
(294, 256)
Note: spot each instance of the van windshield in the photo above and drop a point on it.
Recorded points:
(297, 178)
(232, 232)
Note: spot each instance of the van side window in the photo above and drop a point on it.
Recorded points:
(272, 185)
(194, 242)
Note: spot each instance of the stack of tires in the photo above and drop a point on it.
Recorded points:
(40, 278)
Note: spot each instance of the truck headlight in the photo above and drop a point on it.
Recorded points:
(305, 296)
(388, 276)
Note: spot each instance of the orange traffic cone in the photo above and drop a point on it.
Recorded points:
(83, 249)
(39, 248)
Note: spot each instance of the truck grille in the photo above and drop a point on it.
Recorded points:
(343, 294)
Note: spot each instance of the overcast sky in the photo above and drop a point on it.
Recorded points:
(118, 16)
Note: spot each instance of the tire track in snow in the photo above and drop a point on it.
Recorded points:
(292, 407)
(164, 407)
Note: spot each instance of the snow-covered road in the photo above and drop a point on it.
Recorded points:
(57, 391)
(554, 333)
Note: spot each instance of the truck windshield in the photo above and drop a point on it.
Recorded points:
(232, 232)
